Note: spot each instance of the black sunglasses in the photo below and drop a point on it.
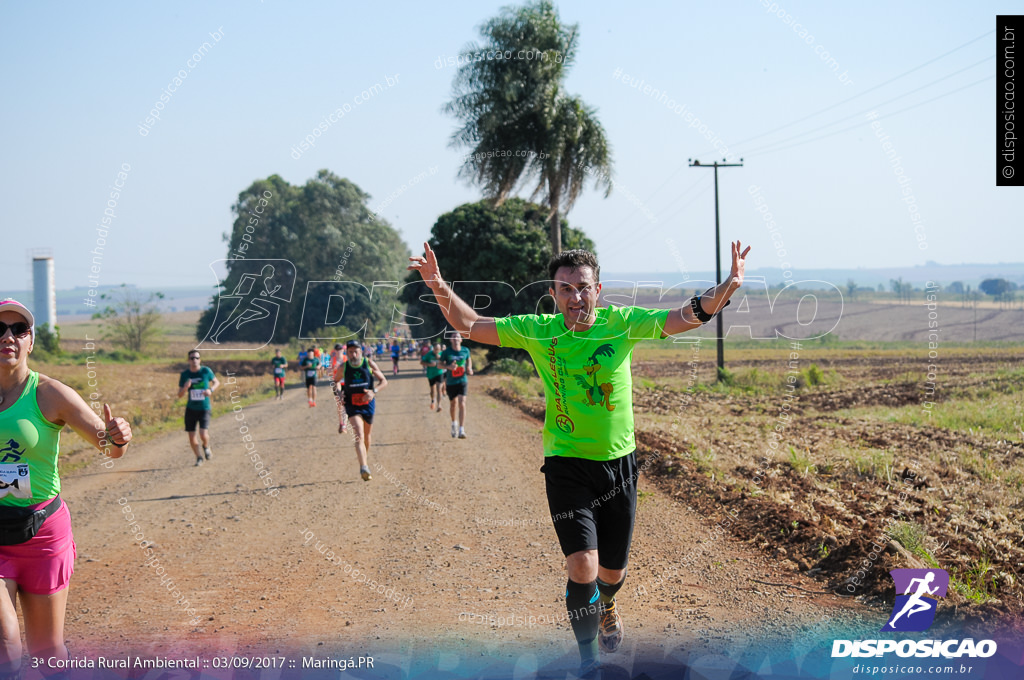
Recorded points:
(191, 358)
(18, 328)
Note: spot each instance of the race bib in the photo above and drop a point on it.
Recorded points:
(458, 371)
(279, 372)
(310, 372)
(361, 399)
(15, 480)
(197, 395)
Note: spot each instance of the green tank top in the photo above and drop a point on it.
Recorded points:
(29, 445)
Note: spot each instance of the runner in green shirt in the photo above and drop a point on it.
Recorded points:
(457, 364)
(279, 363)
(431, 362)
(583, 356)
(198, 382)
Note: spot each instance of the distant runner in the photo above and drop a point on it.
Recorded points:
(279, 363)
(309, 370)
(338, 387)
(424, 350)
(198, 382)
(458, 364)
(583, 356)
(431, 364)
(317, 354)
(360, 400)
(396, 354)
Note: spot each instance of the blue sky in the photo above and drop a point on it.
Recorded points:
(81, 78)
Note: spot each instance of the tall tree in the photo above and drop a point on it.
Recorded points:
(517, 254)
(326, 230)
(517, 121)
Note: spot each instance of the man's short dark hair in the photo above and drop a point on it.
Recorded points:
(574, 259)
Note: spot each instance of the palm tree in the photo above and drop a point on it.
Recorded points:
(575, 150)
(516, 119)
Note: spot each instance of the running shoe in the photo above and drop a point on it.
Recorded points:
(199, 461)
(439, 408)
(455, 430)
(207, 452)
(431, 406)
(342, 427)
(364, 472)
(462, 433)
(609, 635)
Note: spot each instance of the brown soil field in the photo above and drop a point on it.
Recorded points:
(794, 318)
(849, 462)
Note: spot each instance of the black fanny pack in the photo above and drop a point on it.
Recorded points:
(18, 525)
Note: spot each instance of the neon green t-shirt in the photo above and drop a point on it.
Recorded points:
(588, 384)
(29, 446)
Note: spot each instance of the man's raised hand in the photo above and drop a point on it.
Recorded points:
(739, 263)
(426, 265)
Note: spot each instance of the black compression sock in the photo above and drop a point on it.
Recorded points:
(584, 615)
(608, 590)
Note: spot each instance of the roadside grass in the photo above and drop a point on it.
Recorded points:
(145, 394)
(995, 414)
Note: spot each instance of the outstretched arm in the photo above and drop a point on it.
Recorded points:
(683, 319)
(460, 315)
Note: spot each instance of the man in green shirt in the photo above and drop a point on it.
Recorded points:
(279, 363)
(198, 382)
(431, 362)
(457, 364)
(583, 356)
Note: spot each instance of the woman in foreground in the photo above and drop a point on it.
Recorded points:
(37, 549)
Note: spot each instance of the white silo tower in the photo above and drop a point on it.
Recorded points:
(44, 290)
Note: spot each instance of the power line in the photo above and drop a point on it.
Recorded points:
(870, 108)
(827, 108)
(638, 237)
(888, 115)
(643, 205)
(860, 94)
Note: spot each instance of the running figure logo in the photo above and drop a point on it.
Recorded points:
(12, 452)
(914, 609)
(251, 309)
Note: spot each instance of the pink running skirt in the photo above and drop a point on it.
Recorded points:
(43, 564)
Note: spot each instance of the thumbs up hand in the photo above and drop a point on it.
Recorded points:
(119, 432)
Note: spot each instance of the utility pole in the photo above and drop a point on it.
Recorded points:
(718, 250)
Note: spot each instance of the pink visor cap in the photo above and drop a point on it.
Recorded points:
(15, 306)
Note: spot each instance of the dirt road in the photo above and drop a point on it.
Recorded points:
(454, 532)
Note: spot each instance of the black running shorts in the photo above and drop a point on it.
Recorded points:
(593, 505)
(194, 417)
(433, 381)
(455, 389)
(310, 382)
